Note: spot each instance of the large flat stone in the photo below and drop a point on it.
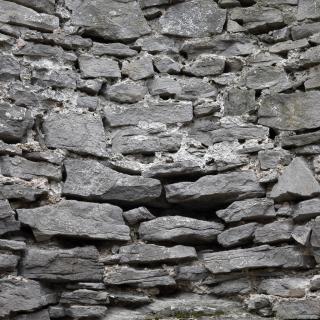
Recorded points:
(306, 210)
(274, 232)
(76, 219)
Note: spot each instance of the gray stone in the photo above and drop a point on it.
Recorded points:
(315, 283)
(112, 49)
(258, 257)
(84, 297)
(83, 181)
(146, 278)
(22, 295)
(12, 245)
(315, 234)
(295, 111)
(205, 65)
(156, 44)
(306, 210)
(46, 6)
(87, 102)
(126, 92)
(193, 19)
(194, 272)
(76, 219)
(9, 67)
(300, 139)
(112, 20)
(308, 9)
(138, 68)
(90, 86)
(8, 262)
(301, 234)
(92, 67)
(152, 3)
(215, 189)
(237, 236)
(8, 222)
(239, 102)
(271, 159)
(151, 253)
(15, 14)
(80, 133)
(62, 265)
(285, 46)
(130, 299)
(296, 181)
(305, 30)
(179, 229)
(240, 286)
(39, 315)
(165, 64)
(163, 111)
(137, 215)
(165, 87)
(85, 312)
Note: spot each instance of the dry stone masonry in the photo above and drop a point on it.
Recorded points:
(159, 159)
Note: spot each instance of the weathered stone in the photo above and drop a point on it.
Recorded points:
(162, 111)
(8, 262)
(8, 222)
(179, 229)
(205, 65)
(83, 181)
(293, 111)
(232, 287)
(165, 64)
(62, 265)
(315, 283)
(165, 87)
(87, 102)
(193, 19)
(146, 278)
(194, 272)
(9, 67)
(22, 295)
(258, 257)
(270, 159)
(39, 315)
(308, 9)
(296, 181)
(301, 234)
(152, 3)
(127, 298)
(307, 210)
(112, 20)
(92, 67)
(300, 139)
(282, 47)
(214, 190)
(90, 86)
(85, 312)
(76, 219)
(305, 30)
(137, 215)
(156, 44)
(151, 253)
(84, 296)
(138, 68)
(112, 49)
(126, 92)
(315, 234)
(82, 133)
(239, 102)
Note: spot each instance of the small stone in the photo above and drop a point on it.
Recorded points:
(165, 87)
(137, 215)
(308, 9)
(232, 287)
(138, 68)
(306, 210)
(271, 159)
(205, 65)
(112, 49)
(301, 234)
(156, 44)
(84, 296)
(239, 102)
(165, 64)
(9, 67)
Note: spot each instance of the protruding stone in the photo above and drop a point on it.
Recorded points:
(8, 222)
(274, 232)
(306, 210)
(138, 215)
(138, 68)
(126, 92)
(205, 65)
(92, 67)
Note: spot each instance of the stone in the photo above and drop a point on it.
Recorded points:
(23, 295)
(285, 46)
(194, 272)
(300, 139)
(238, 235)
(195, 89)
(112, 49)
(232, 287)
(9, 68)
(306, 210)
(80, 133)
(165, 87)
(294, 111)
(141, 254)
(301, 234)
(12, 245)
(193, 19)
(137, 215)
(308, 9)
(130, 299)
(277, 231)
(305, 30)
(126, 92)
(205, 65)
(315, 233)
(109, 185)
(138, 68)
(310, 57)
(90, 86)
(151, 3)
(92, 67)
(85, 312)
(112, 20)
(296, 181)
(8, 222)
(239, 101)
(84, 297)
(212, 190)
(46, 6)
(14, 122)
(178, 229)
(62, 265)
(156, 44)
(15, 14)
(165, 64)
(27, 170)
(167, 112)
(76, 219)
(39, 315)
(315, 283)
(8, 262)
(146, 278)
(271, 159)
(248, 210)
(88, 102)
(263, 256)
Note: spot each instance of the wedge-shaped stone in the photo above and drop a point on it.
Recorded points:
(76, 219)
(63, 265)
(82, 133)
(151, 253)
(274, 232)
(110, 20)
(193, 19)
(214, 190)
(22, 295)
(179, 229)
(8, 222)
(296, 181)
(90, 179)
(137, 215)
(12, 13)
(258, 257)
(164, 111)
(146, 278)
(306, 210)
(295, 111)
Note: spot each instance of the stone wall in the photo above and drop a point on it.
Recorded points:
(160, 159)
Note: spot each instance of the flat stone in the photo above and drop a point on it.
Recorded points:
(12, 245)
(296, 181)
(8, 222)
(112, 49)
(300, 139)
(294, 111)
(306, 210)
(137, 215)
(301, 234)
(271, 159)
(214, 190)
(308, 9)
(258, 257)
(8, 262)
(193, 19)
(194, 272)
(130, 299)
(83, 181)
(112, 20)
(138, 68)
(179, 229)
(76, 219)
(232, 287)
(85, 312)
(239, 102)
(248, 210)
(156, 44)
(38, 315)
(305, 30)
(165, 64)
(285, 46)
(151, 253)
(152, 3)
(84, 297)
(46, 6)
(80, 133)
(165, 87)
(62, 265)
(9, 68)
(126, 92)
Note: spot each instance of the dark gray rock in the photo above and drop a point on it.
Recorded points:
(205, 65)
(151, 3)
(127, 298)
(306, 210)
(285, 46)
(274, 232)
(85, 312)
(308, 9)
(315, 283)
(126, 92)
(194, 272)
(39, 315)
(76, 219)
(12, 245)
(296, 181)
(165, 87)
(87, 102)
(258, 257)
(8, 262)
(270, 159)
(46, 6)
(239, 102)
(305, 30)
(112, 49)
(62, 265)
(179, 229)
(8, 222)
(165, 64)
(315, 234)
(84, 297)
(137, 215)
(193, 19)
(300, 139)
(214, 190)
(81, 133)
(240, 286)
(9, 67)
(83, 182)
(156, 44)
(138, 68)
(301, 234)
